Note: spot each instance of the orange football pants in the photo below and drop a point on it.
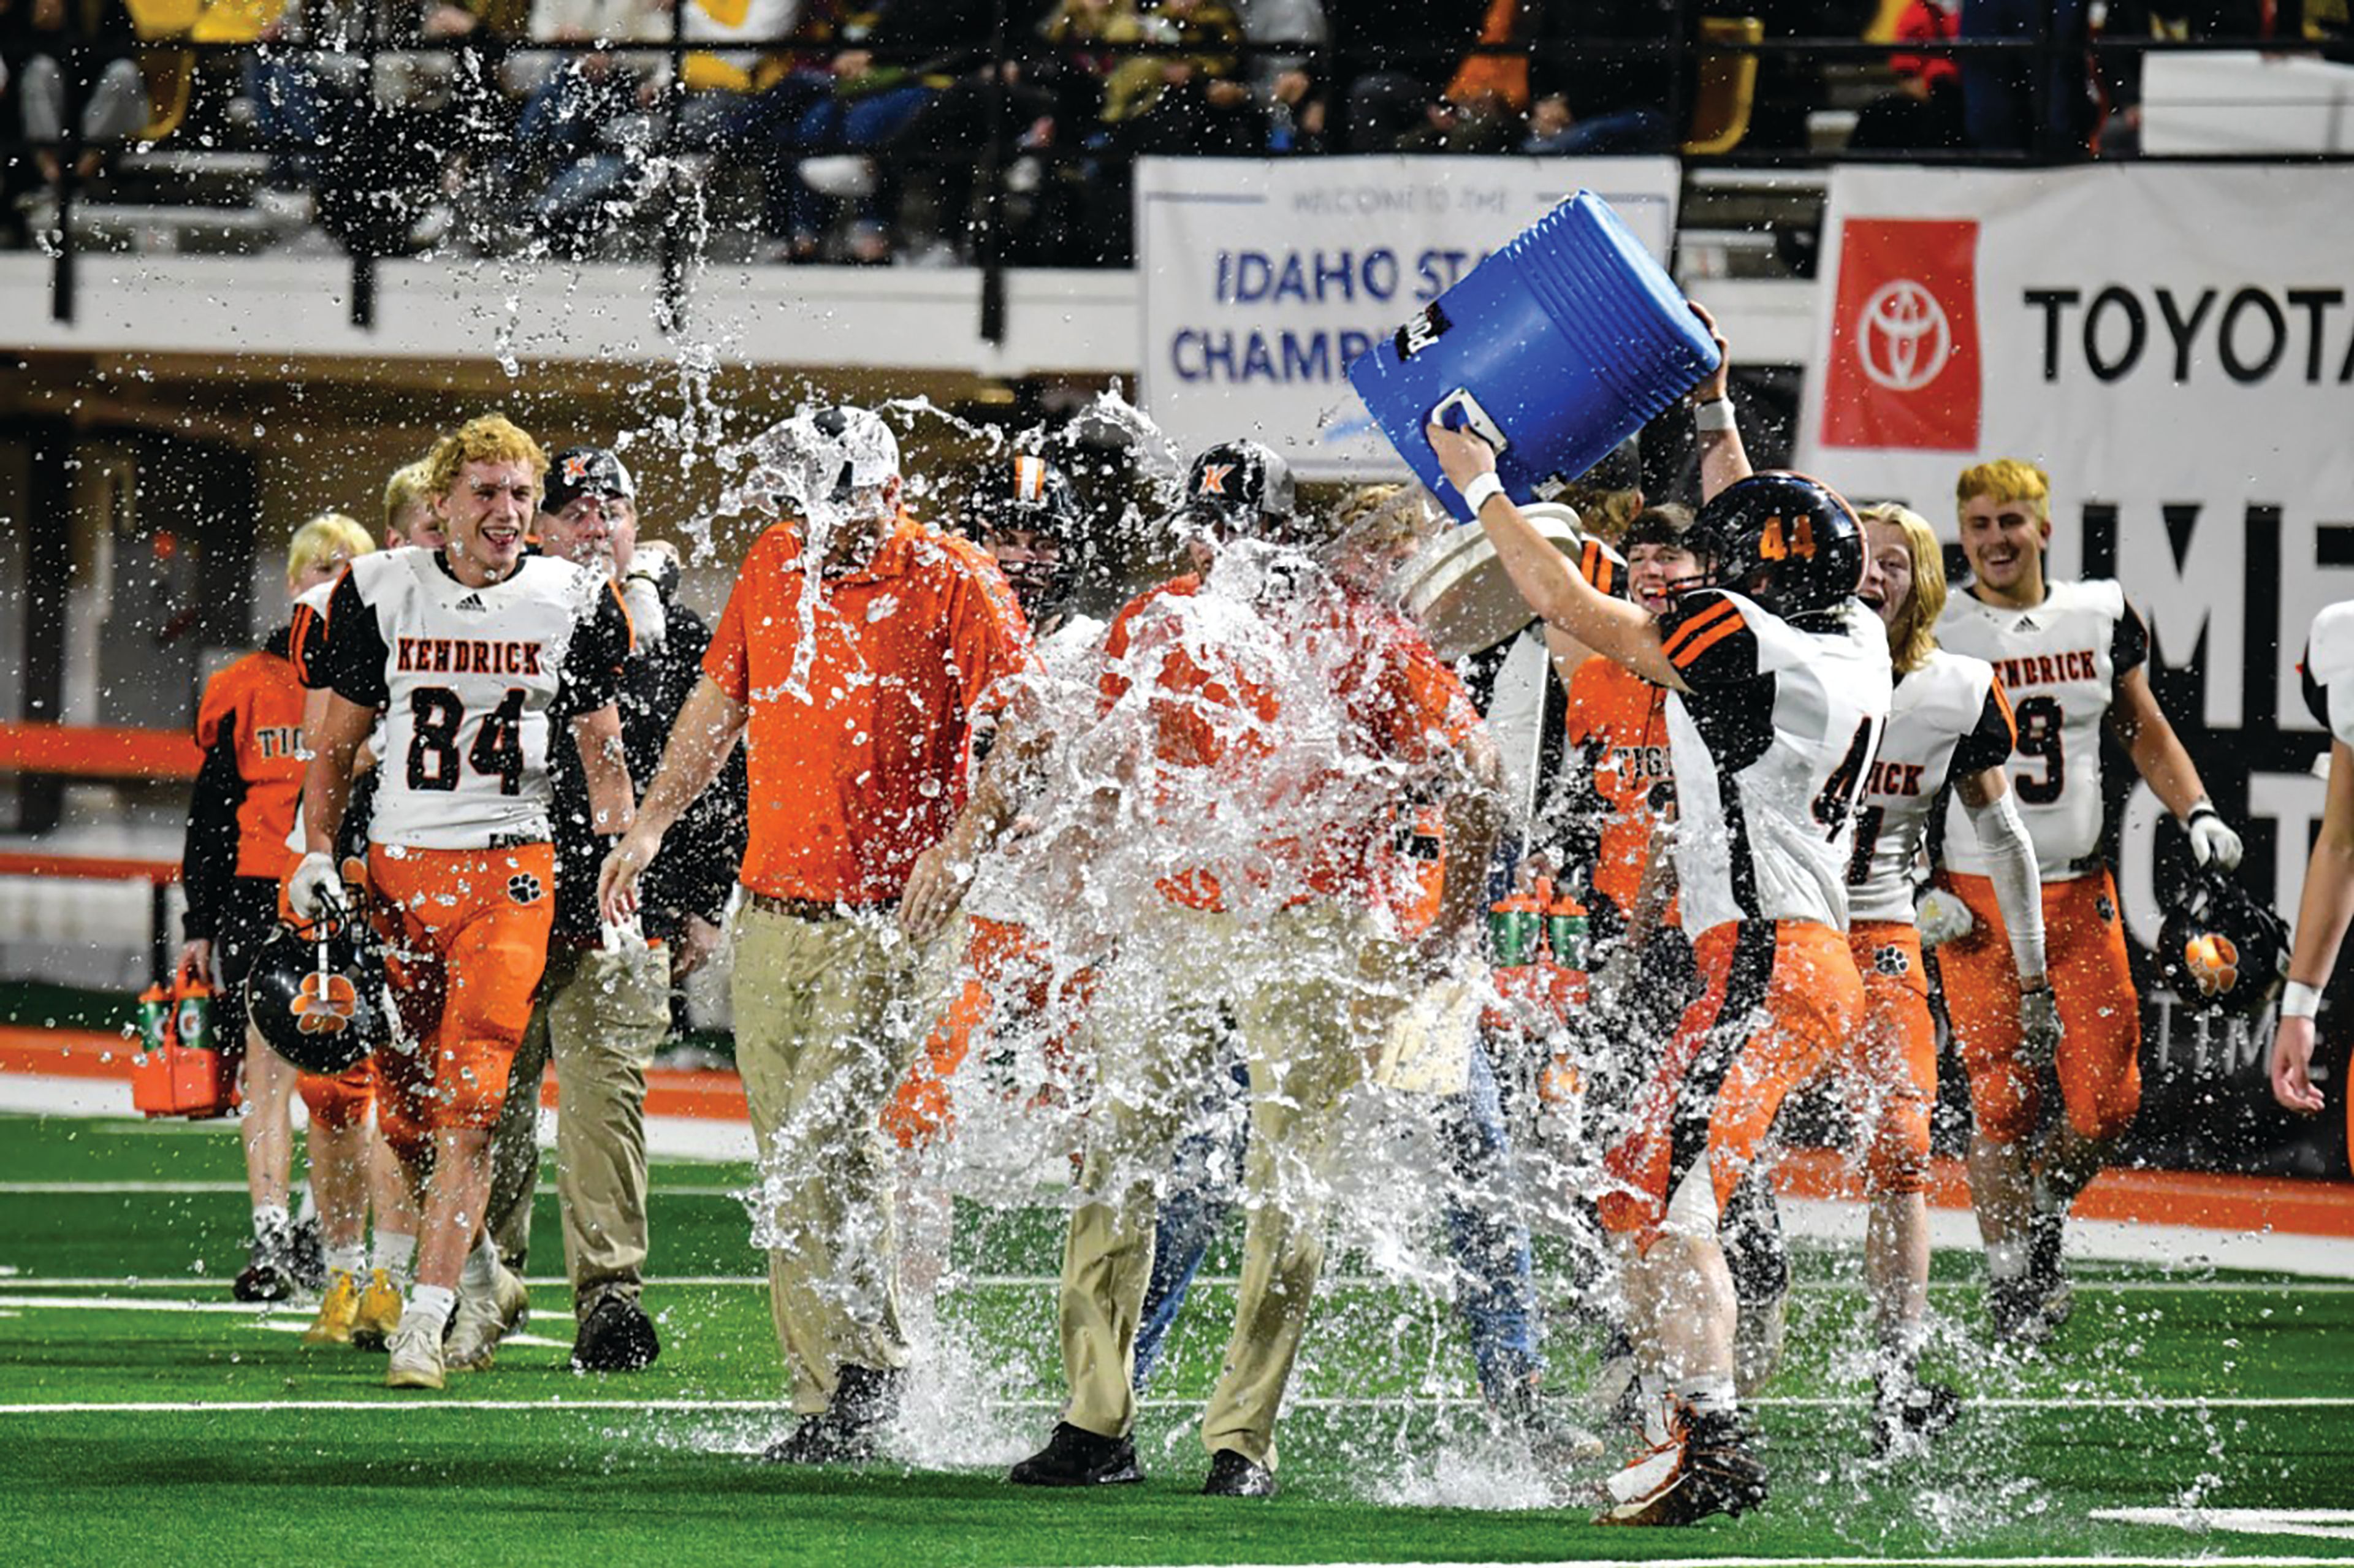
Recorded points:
(1008, 974)
(468, 935)
(341, 1100)
(1781, 1000)
(1891, 1065)
(2092, 981)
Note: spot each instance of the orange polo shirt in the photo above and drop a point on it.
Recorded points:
(1400, 704)
(1621, 720)
(859, 767)
(257, 704)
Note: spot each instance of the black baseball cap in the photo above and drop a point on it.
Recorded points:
(585, 470)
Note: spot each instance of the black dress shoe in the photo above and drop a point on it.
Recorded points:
(615, 1336)
(1074, 1457)
(1232, 1475)
(848, 1432)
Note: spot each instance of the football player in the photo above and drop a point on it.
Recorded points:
(1281, 934)
(480, 658)
(1950, 726)
(250, 727)
(1779, 687)
(2070, 655)
(858, 731)
(2328, 899)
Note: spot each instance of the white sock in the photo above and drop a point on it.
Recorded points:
(346, 1259)
(310, 1210)
(482, 1271)
(393, 1253)
(271, 1222)
(434, 1302)
(2007, 1260)
(1651, 1402)
(1711, 1396)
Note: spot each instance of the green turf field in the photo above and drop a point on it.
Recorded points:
(144, 1415)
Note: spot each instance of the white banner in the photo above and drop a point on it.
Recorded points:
(1263, 278)
(2175, 346)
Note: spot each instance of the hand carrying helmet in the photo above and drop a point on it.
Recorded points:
(2220, 949)
(316, 993)
(1790, 542)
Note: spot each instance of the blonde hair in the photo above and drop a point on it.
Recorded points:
(409, 486)
(321, 539)
(1915, 636)
(2006, 479)
(487, 437)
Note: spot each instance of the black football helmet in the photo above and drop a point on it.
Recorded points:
(1026, 493)
(1787, 541)
(2221, 950)
(1240, 489)
(316, 993)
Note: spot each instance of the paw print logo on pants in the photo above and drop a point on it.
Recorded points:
(523, 887)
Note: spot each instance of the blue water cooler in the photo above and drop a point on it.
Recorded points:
(1556, 348)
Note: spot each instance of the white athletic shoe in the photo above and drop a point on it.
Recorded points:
(483, 1322)
(416, 1347)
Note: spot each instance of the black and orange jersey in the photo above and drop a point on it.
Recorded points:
(250, 727)
(1617, 723)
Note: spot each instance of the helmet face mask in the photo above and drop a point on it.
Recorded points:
(1026, 515)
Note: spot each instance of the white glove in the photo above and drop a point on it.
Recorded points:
(642, 585)
(314, 883)
(2039, 1023)
(1942, 918)
(2213, 843)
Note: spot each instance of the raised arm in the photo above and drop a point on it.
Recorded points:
(1613, 628)
(1724, 460)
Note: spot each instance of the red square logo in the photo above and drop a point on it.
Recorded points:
(1904, 368)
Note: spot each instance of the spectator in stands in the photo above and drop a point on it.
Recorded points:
(588, 129)
(1485, 104)
(1392, 59)
(1608, 99)
(2041, 103)
(77, 60)
(1925, 110)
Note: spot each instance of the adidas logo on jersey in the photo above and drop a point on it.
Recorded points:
(472, 602)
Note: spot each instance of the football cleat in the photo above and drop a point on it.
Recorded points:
(2017, 1308)
(269, 1275)
(307, 1255)
(1704, 1467)
(1906, 1417)
(416, 1347)
(481, 1321)
(615, 1335)
(338, 1310)
(1074, 1456)
(379, 1312)
(850, 1430)
(2047, 1267)
(1233, 1476)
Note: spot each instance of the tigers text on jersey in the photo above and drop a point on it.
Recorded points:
(1770, 748)
(2328, 670)
(470, 680)
(1948, 719)
(2059, 664)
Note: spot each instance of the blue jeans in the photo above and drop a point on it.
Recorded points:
(1495, 1292)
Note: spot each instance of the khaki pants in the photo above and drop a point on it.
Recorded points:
(1311, 990)
(600, 1017)
(828, 1016)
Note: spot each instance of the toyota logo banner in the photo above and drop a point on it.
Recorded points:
(2175, 345)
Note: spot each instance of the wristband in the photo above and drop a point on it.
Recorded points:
(1712, 417)
(1481, 490)
(2299, 999)
(2203, 808)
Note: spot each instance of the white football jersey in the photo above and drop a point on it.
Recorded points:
(2328, 670)
(1770, 748)
(1949, 718)
(470, 681)
(2059, 664)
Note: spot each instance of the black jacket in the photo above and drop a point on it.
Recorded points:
(696, 871)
